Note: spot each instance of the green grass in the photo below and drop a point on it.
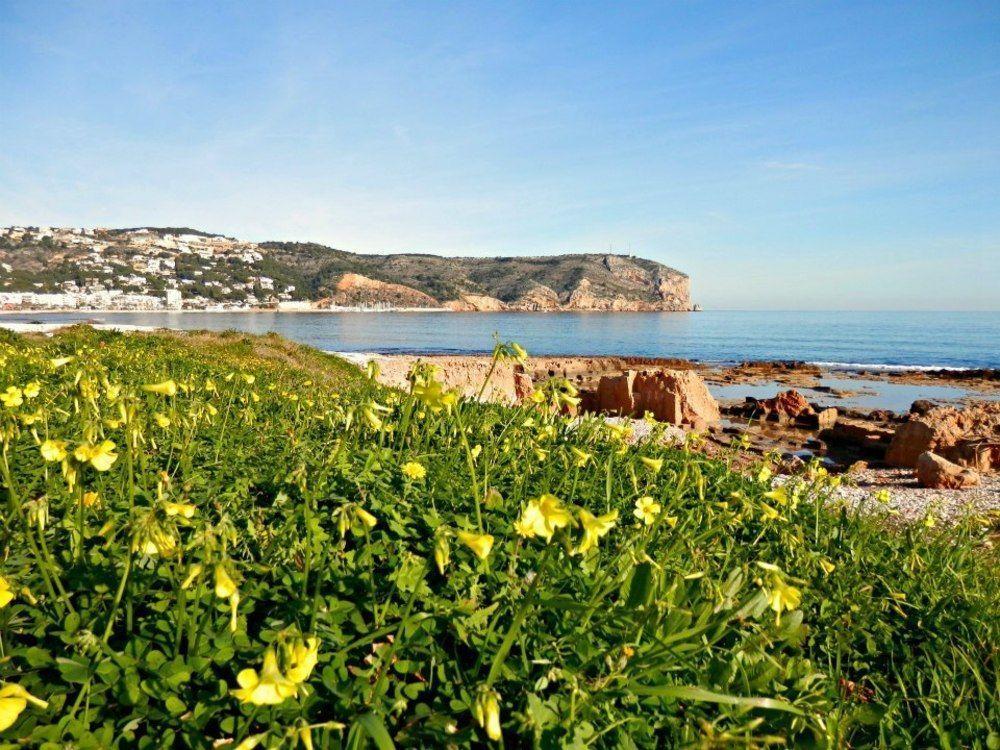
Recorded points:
(662, 635)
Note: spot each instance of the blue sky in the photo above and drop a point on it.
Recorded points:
(786, 155)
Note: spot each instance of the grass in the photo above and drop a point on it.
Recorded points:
(274, 551)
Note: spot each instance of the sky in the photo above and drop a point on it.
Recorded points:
(785, 155)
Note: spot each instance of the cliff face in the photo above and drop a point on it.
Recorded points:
(211, 269)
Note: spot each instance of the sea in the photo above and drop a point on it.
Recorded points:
(836, 340)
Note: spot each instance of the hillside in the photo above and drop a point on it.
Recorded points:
(134, 268)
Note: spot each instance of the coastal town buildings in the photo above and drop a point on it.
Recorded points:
(51, 268)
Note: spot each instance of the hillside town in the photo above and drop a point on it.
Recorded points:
(47, 268)
(171, 268)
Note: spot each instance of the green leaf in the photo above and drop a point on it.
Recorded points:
(175, 705)
(691, 693)
(73, 671)
(369, 726)
(37, 657)
(641, 588)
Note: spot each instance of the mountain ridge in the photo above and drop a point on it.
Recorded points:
(209, 269)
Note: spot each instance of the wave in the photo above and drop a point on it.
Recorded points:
(881, 367)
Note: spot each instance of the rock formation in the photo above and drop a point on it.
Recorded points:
(353, 289)
(969, 436)
(679, 397)
(938, 473)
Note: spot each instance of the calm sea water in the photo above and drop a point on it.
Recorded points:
(921, 339)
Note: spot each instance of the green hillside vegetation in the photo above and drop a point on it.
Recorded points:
(234, 541)
(444, 278)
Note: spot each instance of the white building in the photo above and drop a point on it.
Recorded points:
(173, 299)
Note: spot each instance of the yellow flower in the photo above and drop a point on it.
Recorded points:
(413, 470)
(542, 517)
(486, 712)
(269, 688)
(12, 397)
(90, 499)
(647, 509)
(32, 389)
(192, 576)
(434, 396)
(166, 388)
(6, 595)
(442, 550)
(365, 517)
(153, 540)
(768, 513)
(184, 510)
(371, 416)
(53, 450)
(100, 456)
(653, 464)
(60, 361)
(582, 457)
(480, 544)
(13, 700)
(827, 566)
(781, 596)
(300, 658)
(594, 527)
(779, 495)
(162, 420)
(225, 587)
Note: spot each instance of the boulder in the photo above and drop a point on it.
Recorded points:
(790, 403)
(921, 406)
(869, 437)
(819, 420)
(947, 431)
(679, 397)
(787, 406)
(524, 386)
(936, 472)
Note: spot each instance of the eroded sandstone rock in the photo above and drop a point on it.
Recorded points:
(949, 432)
(938, 473)
(679, 397)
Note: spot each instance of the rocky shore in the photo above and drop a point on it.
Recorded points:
(937, 453)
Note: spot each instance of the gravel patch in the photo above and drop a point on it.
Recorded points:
(912, 502)
(641, 429)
